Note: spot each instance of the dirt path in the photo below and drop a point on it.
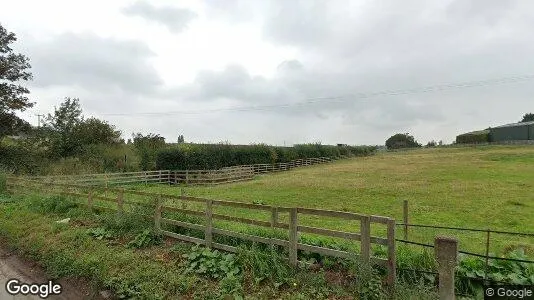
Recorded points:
(14, 267)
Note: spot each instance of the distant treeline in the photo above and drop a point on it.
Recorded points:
(215, 156)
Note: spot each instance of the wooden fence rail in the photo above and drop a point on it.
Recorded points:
(188, 177)
(206, 210)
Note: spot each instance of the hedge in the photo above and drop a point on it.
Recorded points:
(215, 156)
(474, 137)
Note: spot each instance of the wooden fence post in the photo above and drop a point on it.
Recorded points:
(446, 251)
(392, 263)
(186, 177)
(146, 177)
(157, 214)
(120, 200)
(365, 231)
(293, 236)
(405, 218)
(274, 216)
(159, 176)
(208, 235)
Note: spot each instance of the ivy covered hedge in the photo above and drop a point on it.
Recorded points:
(215, 156)
(475, 137)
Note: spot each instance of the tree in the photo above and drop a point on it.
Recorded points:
(67, 131)
(147, 146)
(13, 69)
(60, 127)
(96, 132)
(528, 118)
(402, 140)
(181, 139)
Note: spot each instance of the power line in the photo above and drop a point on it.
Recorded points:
(318, 100)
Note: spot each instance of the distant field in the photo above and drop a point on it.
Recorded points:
(484, 187)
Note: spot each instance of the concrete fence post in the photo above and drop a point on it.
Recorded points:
(446, 252)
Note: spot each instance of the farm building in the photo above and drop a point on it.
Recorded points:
(512, 132)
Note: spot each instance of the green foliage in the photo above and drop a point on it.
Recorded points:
(145, 239)
(52, 204)
(93, 131)
(215, 156)
(124, 223)
(22, 158)
(3, 182)
(100, 233)
(528, 117)
(146, 147)
(14, 67)
(212, 263)
(500, 271)
(476, 137)
(265, 265)
(402, 140)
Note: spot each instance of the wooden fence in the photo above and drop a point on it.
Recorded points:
(292, 225)
(189, 177)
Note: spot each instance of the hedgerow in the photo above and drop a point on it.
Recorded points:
(215, 156)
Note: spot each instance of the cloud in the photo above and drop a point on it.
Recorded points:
(175, 19)
(94, 63)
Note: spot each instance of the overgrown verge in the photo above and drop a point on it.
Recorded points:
(119, 253)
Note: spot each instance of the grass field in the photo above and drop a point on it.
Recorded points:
(483, 187)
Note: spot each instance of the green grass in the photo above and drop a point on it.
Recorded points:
(28, 224)
(483, 187)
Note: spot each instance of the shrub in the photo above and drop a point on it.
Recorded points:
(215, 156)
(145, 239)
(402, 140)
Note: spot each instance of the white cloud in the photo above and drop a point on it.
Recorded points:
(208, 56)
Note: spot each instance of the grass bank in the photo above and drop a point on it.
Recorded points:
(482, 187)
(119, 254)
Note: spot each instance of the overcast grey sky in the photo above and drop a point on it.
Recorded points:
(290, 58)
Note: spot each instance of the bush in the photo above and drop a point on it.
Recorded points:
(402, 140)
(474, 137)
(215, 156)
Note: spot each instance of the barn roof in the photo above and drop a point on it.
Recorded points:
(516, 124)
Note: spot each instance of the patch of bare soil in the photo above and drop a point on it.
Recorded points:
(13, 266)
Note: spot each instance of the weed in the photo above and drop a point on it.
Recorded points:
(212, 263)
(52, 204)
(100, 233)
(265, 265)
(145, 239)
(124, 223)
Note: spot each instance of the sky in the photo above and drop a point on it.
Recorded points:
(281, 72)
